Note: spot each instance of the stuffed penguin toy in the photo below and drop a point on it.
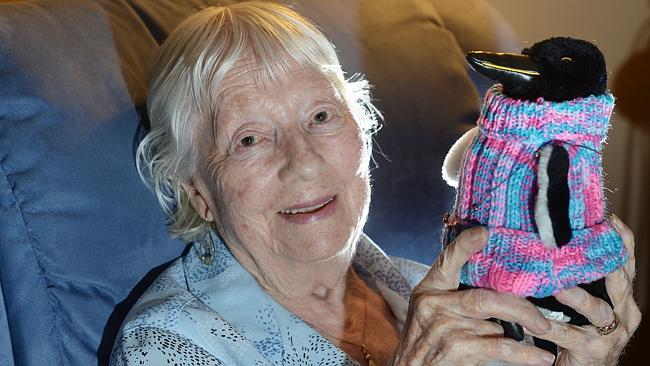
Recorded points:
(531, 173)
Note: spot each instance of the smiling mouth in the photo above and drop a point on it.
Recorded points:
(308, 209)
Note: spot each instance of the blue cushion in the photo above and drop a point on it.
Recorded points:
(78, 229)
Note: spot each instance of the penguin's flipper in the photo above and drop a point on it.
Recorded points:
(454, 158)
(552, 202)
(509, 69)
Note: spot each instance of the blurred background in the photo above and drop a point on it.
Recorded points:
(621, 29)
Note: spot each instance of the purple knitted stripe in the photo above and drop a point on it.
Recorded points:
(519, 263)
(587, 203)
(501, 178)
(584, 119)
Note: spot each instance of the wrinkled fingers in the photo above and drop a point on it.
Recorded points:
(464, 348)
(445, 271)
(427, 340)
(596, 310)
(485, 304)
(619, 287)
(575, 338)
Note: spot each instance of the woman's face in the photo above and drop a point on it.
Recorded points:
(286, 171)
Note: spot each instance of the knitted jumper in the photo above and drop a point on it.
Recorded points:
(498, 185)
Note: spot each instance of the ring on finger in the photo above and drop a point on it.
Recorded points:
(608, 328)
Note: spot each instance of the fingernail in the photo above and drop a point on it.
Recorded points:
(477, 234)
(560, 294)
(543, 325)
(616, 222)
(548, 358)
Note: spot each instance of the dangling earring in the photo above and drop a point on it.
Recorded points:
(207, 247)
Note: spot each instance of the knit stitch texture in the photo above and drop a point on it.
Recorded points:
(497, 189)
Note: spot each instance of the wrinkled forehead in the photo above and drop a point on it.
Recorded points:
(249, 75)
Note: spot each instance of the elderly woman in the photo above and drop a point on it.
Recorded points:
(259, 152)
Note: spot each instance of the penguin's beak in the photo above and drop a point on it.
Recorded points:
(505, 68)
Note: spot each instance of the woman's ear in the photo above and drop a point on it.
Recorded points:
(454, 159)
(199, 197)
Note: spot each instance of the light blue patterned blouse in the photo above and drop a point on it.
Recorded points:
(217, 314)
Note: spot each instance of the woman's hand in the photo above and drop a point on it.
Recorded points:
(445, 326)
(583, 345)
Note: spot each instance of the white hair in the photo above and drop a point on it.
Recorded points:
(186, 79)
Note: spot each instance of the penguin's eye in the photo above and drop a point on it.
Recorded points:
(566, 60)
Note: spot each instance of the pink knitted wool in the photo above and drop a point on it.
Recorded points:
(498, 185)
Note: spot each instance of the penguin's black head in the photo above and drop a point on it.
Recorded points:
(556, 69)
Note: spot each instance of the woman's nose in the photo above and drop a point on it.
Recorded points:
(302, 161)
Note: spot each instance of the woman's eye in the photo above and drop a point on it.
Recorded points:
(249, 141)
(321, 117)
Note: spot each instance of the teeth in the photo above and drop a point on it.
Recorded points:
(306, 209)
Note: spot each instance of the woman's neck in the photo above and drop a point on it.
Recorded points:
(340, 314)
(293, 282)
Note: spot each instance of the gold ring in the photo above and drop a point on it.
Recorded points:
(608, 328)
